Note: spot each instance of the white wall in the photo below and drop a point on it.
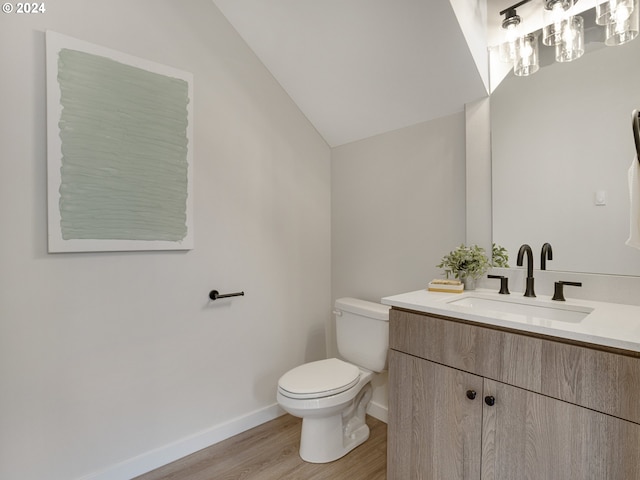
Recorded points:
(478, 169)
(398, 206)
(472, 17)
(116, 361)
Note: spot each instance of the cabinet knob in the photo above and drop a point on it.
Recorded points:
(471, 394)
(490, 400)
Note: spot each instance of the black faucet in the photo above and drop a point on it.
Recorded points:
(546, 254)
(504, 284)
(527, 249)
(558, 293)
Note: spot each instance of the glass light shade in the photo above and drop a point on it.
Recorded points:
(551, 34)
(613, 10)
(571, 45)
(527, 60)
(508, 49)
(555, 12)
(508, 52)
(623, 28)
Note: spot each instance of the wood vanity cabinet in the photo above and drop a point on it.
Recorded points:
(471, 402)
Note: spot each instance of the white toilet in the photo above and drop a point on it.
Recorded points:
(331, 396)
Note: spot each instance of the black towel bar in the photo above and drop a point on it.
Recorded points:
(214, 295)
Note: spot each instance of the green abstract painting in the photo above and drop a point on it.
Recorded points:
(119, 153)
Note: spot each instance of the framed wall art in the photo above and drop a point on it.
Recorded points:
(119, 150)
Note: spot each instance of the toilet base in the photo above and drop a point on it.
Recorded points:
(329, 438)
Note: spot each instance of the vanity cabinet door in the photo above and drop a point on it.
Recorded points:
(529, 436)
(435, 421)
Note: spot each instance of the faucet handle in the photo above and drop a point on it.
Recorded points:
(504, 283)
(558, 291)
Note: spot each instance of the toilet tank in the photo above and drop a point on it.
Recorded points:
(362, 331)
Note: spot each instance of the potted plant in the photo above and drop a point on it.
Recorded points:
(499, 256)
(466, 264)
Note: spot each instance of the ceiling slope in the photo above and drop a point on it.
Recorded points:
(357, 68)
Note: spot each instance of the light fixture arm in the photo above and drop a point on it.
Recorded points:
(510, 11)
(511, 18)
(566, 4)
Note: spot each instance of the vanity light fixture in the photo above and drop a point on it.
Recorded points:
(564, 31)
(509, 49)
(621, 20)
(555, 18)
(612, 10)
(526, 61)
(521, 50)
(571, 44)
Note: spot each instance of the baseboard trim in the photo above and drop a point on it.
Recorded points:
(381, 412)
(169, 453)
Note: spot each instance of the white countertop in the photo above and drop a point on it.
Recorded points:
(609, 324)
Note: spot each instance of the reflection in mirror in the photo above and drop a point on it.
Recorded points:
(562, 145)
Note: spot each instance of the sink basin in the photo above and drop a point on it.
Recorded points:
(522, 308)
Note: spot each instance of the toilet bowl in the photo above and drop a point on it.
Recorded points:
(331, 396)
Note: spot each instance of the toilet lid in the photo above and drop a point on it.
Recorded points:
(319, 379)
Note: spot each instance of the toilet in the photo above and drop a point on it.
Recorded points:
(331, 396)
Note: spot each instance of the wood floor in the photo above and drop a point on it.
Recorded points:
(270, 452)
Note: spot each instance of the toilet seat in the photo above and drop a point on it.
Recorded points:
(319, 379)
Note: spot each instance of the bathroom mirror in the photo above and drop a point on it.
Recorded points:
(562, 145)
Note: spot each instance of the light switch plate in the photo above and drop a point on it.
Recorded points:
(600, 198)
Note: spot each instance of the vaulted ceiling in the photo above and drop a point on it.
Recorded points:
(357, 68)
